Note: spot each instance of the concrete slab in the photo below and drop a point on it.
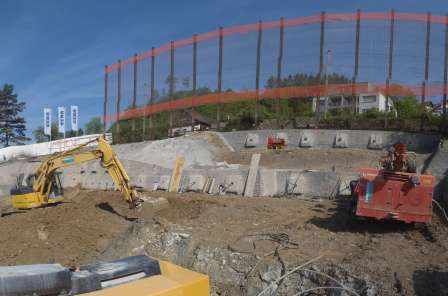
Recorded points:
(319, 184)
(164, 182)
(268, 183)
(252, 176)
(293, 183)
(234, 184)
(195, 183)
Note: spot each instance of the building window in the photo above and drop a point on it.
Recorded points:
(368, 99)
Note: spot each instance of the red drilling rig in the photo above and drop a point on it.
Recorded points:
(395, 191)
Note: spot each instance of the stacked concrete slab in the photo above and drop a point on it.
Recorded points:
(318, 138)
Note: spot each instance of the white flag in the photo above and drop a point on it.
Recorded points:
(74, 116)
(47, 121)
(61, 120)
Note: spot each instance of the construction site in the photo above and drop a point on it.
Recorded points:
(243, 236)
(320, 188)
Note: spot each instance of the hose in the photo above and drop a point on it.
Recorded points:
(441, 209)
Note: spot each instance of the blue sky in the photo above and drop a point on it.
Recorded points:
(54, 52)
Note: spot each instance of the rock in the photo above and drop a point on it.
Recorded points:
(42, 234)
(102, 244)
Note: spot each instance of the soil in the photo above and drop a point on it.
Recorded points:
(403, 259)
(72, 233)
(391, 253)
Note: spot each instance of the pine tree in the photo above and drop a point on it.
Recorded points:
(12, 125)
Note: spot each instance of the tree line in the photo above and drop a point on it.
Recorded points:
(94, 126)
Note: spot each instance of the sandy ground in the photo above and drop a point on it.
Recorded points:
(412, 260)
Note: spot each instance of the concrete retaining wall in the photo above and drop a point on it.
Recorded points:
(232, 179)
(39, 149)
(319, 138)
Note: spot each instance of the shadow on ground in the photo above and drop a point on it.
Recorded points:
(108, 208)
(6, 214)
(341, 220)
(430, 282)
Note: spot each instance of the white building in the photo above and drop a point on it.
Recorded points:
(361, 103)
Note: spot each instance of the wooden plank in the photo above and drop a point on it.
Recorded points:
(252, 176)
(177, 174)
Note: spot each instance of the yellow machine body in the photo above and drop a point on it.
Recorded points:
(173, 281)
(45, 187)
(33, 200)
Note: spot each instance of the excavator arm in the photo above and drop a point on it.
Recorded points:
(44, 181)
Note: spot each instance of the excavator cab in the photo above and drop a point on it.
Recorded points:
(24, 196)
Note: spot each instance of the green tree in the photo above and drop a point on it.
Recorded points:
(303, 79)
(71, 133)
(40, 136)
(408, 107)
(12, 125)
(94, 126)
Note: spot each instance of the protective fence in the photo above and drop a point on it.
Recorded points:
(329, 61)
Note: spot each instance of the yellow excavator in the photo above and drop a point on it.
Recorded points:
(44, 187)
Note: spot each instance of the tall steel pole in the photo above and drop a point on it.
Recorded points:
(425, 83)
(220, 59)
(194, 74)
(280, 63)
(445, 76)
(355, 96)
(152, 93)
(134, 93)
(106, 97)
(171, 87)
(117, 115)
(321, 58)
(257, 71)
(390, 65)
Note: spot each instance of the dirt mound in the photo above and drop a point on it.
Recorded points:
(74, 232)
(196, 151)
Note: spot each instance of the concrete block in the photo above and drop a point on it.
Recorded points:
(139, 181)
(375, 142)
(319, 184)
(293, 183)
(252, 140)
(306, 140)
(234, 184)
(340, 140)
(195, 183)
(164, 182)
(269, 183)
